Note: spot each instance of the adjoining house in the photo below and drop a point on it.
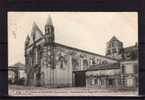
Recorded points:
(116, 75)
(123, 74)
(52, 64)
(16, 74)
(104, 76)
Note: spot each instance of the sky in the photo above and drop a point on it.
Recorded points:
(89, 31)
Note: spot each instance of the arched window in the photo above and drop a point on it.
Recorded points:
(46, 29)
(111, 82)
(93, 61)
(61, 64)
(75, 63)
(114, 50)
(61, 59)
(113, 44)
(85, 62)
(108, 52)
(96, 81)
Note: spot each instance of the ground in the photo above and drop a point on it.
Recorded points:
(73, 91)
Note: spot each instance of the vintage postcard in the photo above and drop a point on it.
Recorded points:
(73, 53)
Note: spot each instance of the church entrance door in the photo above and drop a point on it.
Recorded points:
(80, 79)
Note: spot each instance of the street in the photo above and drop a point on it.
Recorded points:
(72, 91)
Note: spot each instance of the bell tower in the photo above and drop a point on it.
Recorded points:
(114, 48)
(49, 52)
(49, 30)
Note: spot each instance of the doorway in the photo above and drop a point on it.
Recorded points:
(79, 79)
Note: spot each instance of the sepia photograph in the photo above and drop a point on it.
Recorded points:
(73, 54)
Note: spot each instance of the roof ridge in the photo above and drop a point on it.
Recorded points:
(86, 51)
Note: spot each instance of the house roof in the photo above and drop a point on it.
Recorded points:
(131, 48)
(19, 65)
(104, 66)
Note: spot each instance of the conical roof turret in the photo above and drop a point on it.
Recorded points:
(27, 38)
(49, 21)
(34, 26)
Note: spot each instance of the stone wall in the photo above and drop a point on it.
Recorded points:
(101, 78)
(130, 73)
(69, 59)
(57, 72)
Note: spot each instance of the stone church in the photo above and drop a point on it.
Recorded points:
(53, 65)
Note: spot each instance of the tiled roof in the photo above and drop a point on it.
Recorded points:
(17, 66)
(104, 66)
(131, 48)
